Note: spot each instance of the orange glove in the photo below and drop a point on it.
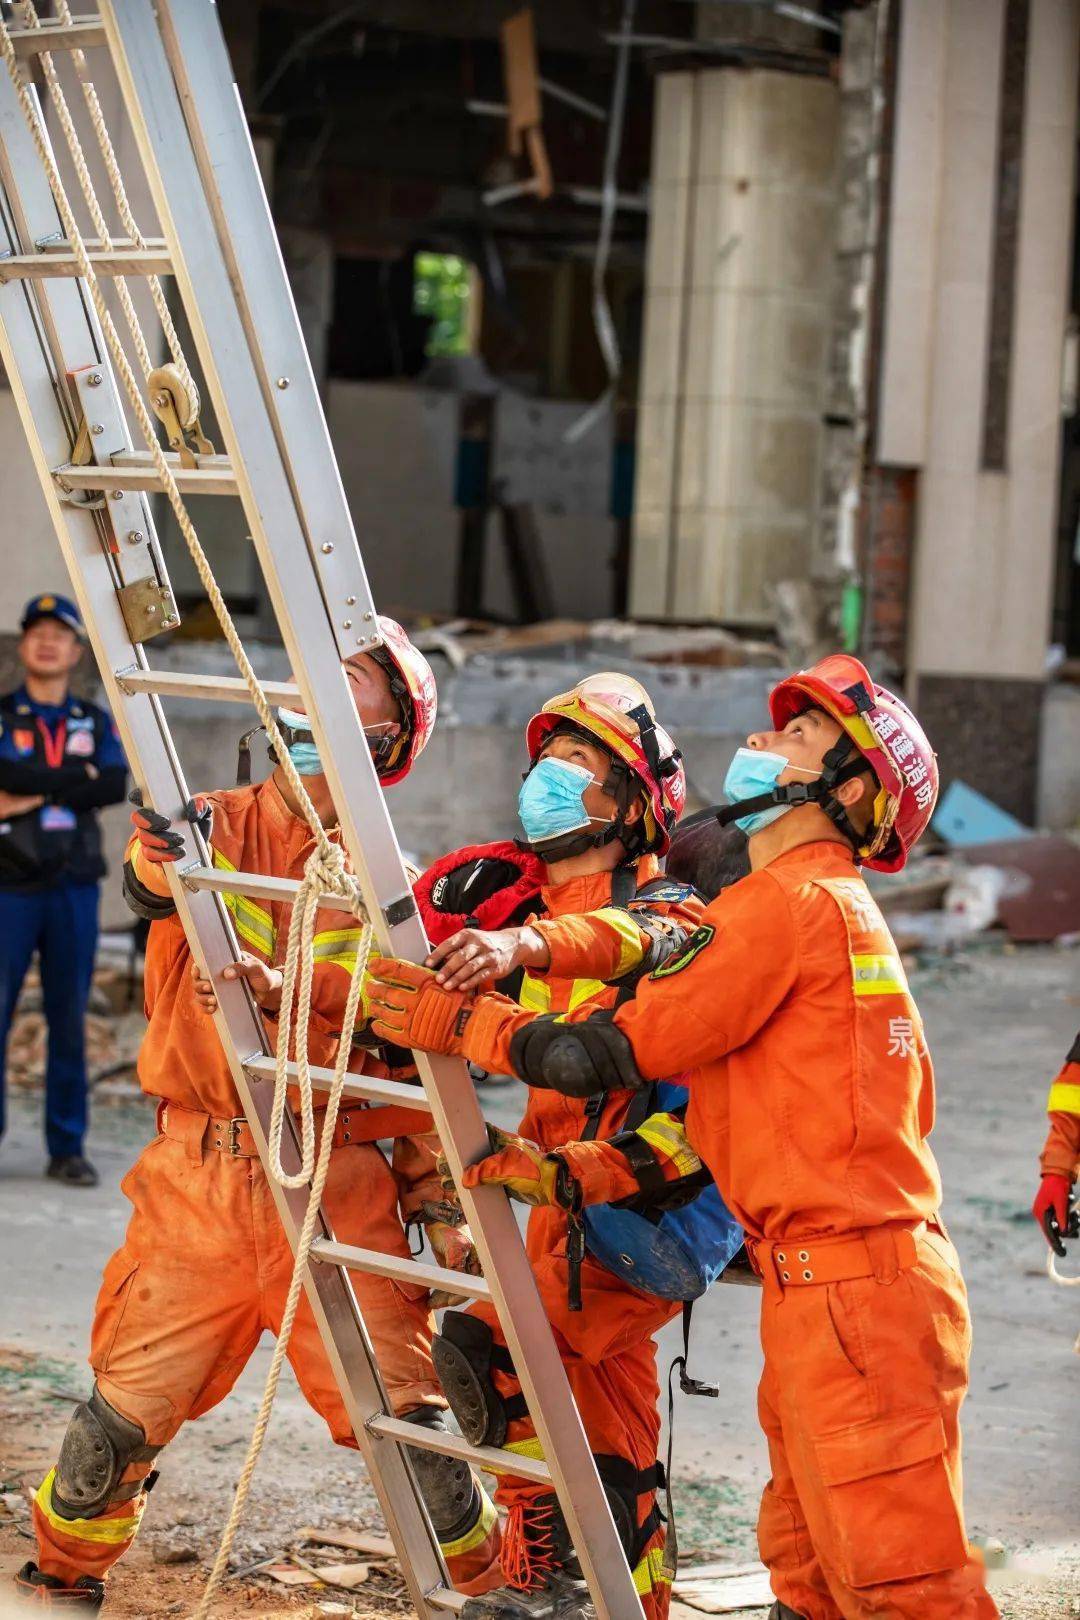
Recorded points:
(409, 1007)
(526, 1171)
(159, 841)
(451, 1244)
(1053, 1211)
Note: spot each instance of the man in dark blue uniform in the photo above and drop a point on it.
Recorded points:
(60, 761)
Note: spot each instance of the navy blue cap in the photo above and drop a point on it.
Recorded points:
(49, 606)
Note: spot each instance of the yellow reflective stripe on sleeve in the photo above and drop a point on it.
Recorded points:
(1064, 1098)
(108, 1531)
(253, 923)
(584, 990)
(878, 976)
(480, 1531)
(332, 947)
(666, 1135)
(631, 950)
(650, 1572)
(534, 995)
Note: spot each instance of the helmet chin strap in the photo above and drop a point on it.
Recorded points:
(837, 767)
(570, 844)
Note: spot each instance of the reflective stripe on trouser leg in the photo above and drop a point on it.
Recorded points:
(68, 1548)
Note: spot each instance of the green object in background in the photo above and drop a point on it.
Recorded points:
(851, 612)
(441, 290)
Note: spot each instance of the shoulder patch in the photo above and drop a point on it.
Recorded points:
(669, 891)
(686, 953)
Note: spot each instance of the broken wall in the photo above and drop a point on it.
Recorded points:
(737, 315)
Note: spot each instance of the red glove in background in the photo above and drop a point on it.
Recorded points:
(1051, 1210)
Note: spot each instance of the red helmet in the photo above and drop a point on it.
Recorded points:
(618, 712)
(413, 684)
(888, 736)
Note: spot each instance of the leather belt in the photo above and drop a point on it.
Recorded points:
(874, 1251)
(233, 1136)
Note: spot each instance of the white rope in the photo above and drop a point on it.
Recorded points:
(1055, 1275)
(318, 875)
(116, 181)
(325, 872)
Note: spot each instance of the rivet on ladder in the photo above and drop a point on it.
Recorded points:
(134, 537)
(327, 547)
(94, 379)
(283, 382)
(97, 427)
(346, 624)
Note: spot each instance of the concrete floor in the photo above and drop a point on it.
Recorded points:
(998, 1026)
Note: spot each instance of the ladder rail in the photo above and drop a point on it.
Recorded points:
(55, 322)
(194, 203)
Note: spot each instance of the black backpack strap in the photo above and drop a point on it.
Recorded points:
(624, 885)
(689, 1386)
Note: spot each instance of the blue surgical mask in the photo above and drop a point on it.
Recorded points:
(551, 801)
(304, 755)
(751, 773)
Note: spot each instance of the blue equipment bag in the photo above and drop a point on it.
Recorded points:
(675, 1246)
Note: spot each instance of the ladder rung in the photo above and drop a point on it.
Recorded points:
(117, 244)
(222, 688)
(392, 1093)
(254, 884)
(80, 36)
(444, 1597)
(27, 266)
(132, 471)
(490, 1458)
(402, 1270)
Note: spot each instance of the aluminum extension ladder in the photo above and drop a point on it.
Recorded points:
(219, 245)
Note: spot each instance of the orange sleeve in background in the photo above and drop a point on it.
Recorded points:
(601, 944)
(1061, 1151)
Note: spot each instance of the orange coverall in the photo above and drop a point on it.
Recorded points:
(1061, 1151)
(811, 1100)
(606, 1347)
(205, 1266)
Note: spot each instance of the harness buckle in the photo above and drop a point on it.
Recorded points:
(234, 1135)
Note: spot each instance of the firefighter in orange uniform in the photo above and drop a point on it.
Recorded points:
(1060, 1157)
(811, 1101)
(205, 1266)
(603, 791)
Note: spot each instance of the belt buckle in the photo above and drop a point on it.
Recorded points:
(234, 1135)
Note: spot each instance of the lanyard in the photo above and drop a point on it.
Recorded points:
(54, 746)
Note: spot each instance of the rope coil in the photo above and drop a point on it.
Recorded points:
(326, 870)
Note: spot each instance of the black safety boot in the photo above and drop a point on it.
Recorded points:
(543, 1576)
(33, 1586)
(73, 1170)
(560, 1597)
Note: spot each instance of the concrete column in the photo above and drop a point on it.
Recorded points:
(738, 284)
(984, 546)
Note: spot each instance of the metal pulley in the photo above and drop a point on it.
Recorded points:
(175, 402)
